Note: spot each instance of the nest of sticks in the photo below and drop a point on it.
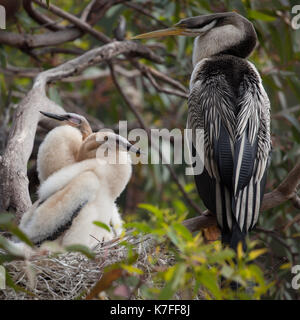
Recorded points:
(72, 275)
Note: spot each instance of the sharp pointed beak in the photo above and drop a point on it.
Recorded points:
(133, 149)
(174, 31)
(127, 145)
(60, 117)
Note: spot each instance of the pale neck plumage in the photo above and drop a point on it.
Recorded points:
(216, 41)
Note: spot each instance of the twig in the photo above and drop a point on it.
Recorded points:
(76, 21)
(87, 10)
(145, 70)
(145, 12)
(144, 126)
(295, 220)
(279, 239)
(164, 90)
(40, 18)
(285, 191)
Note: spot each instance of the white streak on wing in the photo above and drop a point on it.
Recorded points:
(257, 205)
(237, 205)
(239, 164)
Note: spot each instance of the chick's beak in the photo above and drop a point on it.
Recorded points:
(60, 117)
(125, 144)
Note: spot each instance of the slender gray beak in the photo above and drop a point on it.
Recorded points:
(60, 117)
(128, 146)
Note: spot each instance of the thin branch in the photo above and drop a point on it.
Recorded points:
(29, 41)
(145, 127)
(205, 220)
(87, 10)
(165, 90)
(163, 77)
(145, 12)
(280, 240)
(20, 72)
(39, 40)
(76, 21)
(285, 191)
(99, 8)
(292, 222)
(145, 70)
(54, 50)
(40, 18)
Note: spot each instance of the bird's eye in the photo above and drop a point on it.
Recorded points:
(105, 138)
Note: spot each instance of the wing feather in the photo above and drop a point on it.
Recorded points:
(236, 147)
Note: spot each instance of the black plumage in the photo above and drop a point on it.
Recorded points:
(231, 184)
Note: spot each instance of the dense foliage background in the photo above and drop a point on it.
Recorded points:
(277, 57)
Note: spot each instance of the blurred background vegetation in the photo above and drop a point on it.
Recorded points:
(277, 57)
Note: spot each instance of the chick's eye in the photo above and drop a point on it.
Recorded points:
(105, 138)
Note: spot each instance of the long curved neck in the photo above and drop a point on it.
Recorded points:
(238, 39)
(85, 129)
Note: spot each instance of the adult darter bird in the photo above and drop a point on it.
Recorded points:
(229, 106)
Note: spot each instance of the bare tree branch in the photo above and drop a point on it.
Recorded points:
(99, 8)
(85, 13)
(285, 191)
(29, 41)
(148, 71)
(14, 192)
(165, 90)
(76, 21)
(39, 40)
(53, 50)
(145, 12)
(40, 18)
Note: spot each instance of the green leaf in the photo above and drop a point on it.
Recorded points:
(258, 15)
(20, 234)
(173, 237)
(221, 256)
(102, 225)
(153, 209)
(7, 224)
(227, 271)
(183, 231)
(256, 253)
(6, 218)
(210, 282)
(131, 269)
(177, 275)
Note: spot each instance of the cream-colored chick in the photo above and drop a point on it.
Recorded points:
(82, 174)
